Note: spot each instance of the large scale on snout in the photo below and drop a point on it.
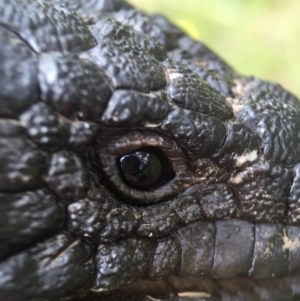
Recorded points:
(137, 165)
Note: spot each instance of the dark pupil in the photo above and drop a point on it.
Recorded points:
(143, 168)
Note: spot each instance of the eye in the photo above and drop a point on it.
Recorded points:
(145, 168)
(141, 167)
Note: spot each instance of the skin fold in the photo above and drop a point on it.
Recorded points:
(90, 89)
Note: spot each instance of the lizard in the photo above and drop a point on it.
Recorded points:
(135, 164)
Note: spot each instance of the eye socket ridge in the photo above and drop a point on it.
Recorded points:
(161, 168)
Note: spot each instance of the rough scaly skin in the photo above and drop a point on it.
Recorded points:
(82, 85)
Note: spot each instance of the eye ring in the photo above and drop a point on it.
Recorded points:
(107, 160)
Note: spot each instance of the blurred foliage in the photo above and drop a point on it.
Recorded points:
(256, 37)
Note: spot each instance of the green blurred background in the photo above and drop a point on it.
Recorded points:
(256, 37)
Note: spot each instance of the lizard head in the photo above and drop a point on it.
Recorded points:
(130, 151)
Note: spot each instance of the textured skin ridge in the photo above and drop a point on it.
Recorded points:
(86, 82)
